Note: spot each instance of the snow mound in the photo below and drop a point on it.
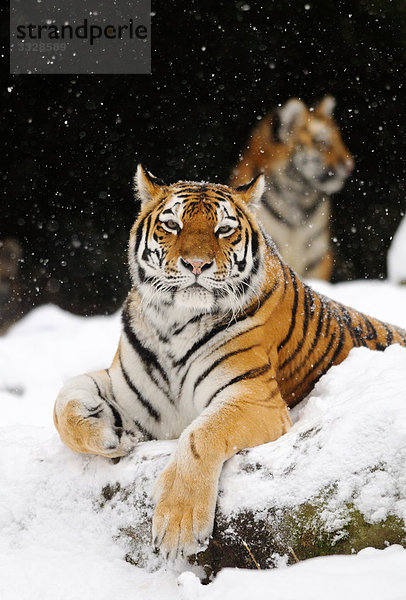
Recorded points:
(349, 439)
(67, 520)
(371, 574)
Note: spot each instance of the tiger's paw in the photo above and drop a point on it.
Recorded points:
(184, 514)
(115, 442)
(87, 427)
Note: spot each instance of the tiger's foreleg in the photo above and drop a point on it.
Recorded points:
(249, 413)
(89, 421)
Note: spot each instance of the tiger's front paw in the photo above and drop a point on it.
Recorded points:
(86, 425)
(184, 514)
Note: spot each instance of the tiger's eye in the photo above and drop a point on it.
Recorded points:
(171, 224)
(224, 229)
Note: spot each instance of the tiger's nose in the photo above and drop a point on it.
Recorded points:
(196, 265)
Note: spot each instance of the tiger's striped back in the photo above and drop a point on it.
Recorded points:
(311, 333)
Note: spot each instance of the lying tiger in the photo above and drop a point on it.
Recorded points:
(219, 337)
(304, 159)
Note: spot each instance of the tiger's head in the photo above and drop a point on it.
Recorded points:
(311, 144)
(195, 246)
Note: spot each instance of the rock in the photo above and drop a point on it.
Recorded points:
(334, 484)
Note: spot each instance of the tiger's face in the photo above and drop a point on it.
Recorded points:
(314, 146)
(195, 246)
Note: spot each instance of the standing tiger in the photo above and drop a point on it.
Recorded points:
(304, 159)
(219, 337)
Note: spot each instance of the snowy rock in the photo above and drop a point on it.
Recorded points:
(336, 483)
(76, 526)
(397, 255)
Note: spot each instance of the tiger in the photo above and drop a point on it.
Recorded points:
(304, 159)
(220, 338)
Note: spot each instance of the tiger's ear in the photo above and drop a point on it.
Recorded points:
(147, 186)
(251, 192)
(290, 115)
(326, 106)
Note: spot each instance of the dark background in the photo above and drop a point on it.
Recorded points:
(74, 141)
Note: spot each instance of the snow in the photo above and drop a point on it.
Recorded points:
(367, 576)
(58, 541)
(348, 442)
(397, 255)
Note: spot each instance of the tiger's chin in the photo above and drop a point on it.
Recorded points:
(196, 299)
(330, 186)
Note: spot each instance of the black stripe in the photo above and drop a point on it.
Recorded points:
(141, 274)
(275, 214)
(248, 313)
(315, 340)
(140, 397)
(371, 335)
(246, 186)
(219, 361)
(316, 365)
(294, 311)
(235, 337)
(389, 335)
(329, 317)
(237, 239)
(118, 422)
(148, 227)
(144, 431)
(312, 302)
(319, 322)
(326, 367)
(189, 190)
(244, 285)
(181, 361)
(138, 235)
(193, 446)
(97, 387)
(284, 266)
(194, 319)
(306, 311)
(261, 301)
(251, 374)
(355, 331)
(339, 346)
(148, 358)
(254, 243)
(243, 262)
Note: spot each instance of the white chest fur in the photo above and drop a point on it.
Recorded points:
(161, 358)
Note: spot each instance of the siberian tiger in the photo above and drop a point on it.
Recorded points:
(219, 337)
(304, 159)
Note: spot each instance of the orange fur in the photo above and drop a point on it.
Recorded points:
(284, 339)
